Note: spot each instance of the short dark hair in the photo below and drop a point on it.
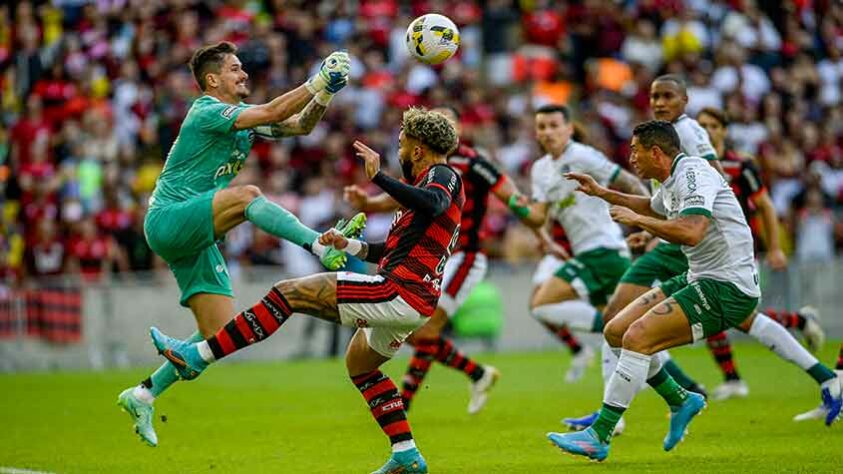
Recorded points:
(209, 59)
(555, 108)
(658, 133)
(674, 78)
(720, 115)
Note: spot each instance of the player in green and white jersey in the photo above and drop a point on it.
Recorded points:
(582, 286)
(192, 206)
(697, 209)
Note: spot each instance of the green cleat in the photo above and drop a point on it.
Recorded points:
(141, 414)
(335, 259)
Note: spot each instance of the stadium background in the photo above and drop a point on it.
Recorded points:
(93, 94)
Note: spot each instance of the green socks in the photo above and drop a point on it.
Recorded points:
(667, 387)
(166, 375)
(274, 219)
(820, 373)
(672, 368)
(606, 420)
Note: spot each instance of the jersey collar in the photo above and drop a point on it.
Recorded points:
(681, 117)
(675, 161)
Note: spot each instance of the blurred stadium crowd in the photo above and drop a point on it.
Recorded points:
(93, 94)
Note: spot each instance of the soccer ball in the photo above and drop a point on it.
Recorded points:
(432, 38)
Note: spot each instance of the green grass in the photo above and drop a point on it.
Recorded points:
(307, 417)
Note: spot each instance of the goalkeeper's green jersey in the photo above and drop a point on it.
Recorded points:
(207, 154)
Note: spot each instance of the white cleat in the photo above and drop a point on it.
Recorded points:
(480, 389)
(619, 427)
(813, 333)
(815, 414)
(579, 363)
(730, 389)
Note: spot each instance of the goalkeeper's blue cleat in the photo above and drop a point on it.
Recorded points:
(334, 259)
(832, 401)
(680, 417)
(182, 354)
(581, 443)
(141, 414)
(404, 462)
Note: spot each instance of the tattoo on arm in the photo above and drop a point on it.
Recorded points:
(315, 295)
(300, 124)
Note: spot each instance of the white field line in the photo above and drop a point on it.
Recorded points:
(16, 470)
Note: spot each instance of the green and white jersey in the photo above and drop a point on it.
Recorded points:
(693, 139)
(207, 154)
(585, 218)
(726, 251)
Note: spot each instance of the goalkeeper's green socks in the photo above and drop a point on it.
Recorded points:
(274, 219)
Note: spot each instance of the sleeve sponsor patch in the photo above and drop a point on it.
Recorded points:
(228, 112)
(694, 200)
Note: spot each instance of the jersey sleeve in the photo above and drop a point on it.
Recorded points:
(600, 168)
(751, 179)
(694, 141)
(696, 189)
(485, 172)
(444, 178)
(218, 117)
(657, 202)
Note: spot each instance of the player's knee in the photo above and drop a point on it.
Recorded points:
(248, 193)
(635, 339)
(613, 332)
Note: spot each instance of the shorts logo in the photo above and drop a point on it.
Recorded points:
(395, 344)
(361, 323)
(701, 295)
(220, 268)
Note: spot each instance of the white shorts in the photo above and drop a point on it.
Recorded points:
(547, 267)
(372, 303)
(463, 272)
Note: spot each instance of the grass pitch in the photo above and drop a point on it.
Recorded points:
(296, 417)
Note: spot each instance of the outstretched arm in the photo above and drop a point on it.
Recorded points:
(301, 123)
(332, 77)
(433, 199)
(639, 204)
(360, 200)
(370, 252)
(687, 229)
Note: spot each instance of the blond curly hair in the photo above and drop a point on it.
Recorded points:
(431, 128)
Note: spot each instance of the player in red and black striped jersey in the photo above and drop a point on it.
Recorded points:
(745, 179)
(386, 307)
(463, 271)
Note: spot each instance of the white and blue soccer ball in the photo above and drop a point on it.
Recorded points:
(432, 38)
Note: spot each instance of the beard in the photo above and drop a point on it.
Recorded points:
(407, 171)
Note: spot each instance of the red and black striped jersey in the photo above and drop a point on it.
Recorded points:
(479, 178)
(744, 178)
(418, 245)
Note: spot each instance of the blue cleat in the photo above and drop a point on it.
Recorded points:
(183, 355)
(832, 401)
(680, 417)
(141, 414)
(404, 462)
(579, 424)
(582, 443)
